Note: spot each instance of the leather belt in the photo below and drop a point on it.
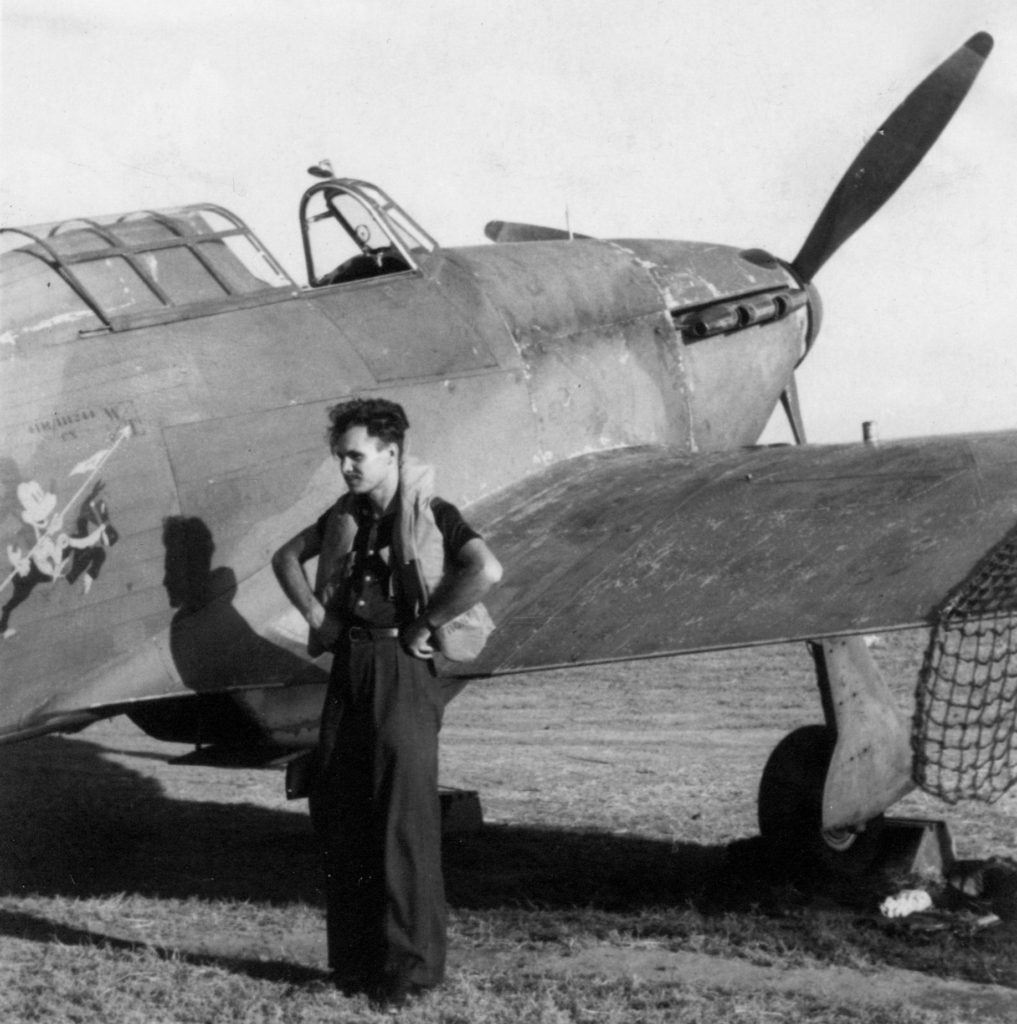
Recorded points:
(365, 635)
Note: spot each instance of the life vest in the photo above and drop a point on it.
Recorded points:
(418, 548)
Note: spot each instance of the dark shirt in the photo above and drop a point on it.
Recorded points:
(375, 602)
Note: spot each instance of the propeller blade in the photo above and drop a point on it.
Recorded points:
(793, 411)
(509, 231)
(892, 154)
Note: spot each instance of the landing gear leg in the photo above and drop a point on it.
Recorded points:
(825, 787)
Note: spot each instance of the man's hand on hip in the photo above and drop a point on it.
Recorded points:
(416, 639)
(326, 627)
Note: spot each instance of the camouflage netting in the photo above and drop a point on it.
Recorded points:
(964, 733)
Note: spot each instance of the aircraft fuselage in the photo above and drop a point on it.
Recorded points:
(179, 447)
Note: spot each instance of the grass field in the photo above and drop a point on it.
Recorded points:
(617, 878)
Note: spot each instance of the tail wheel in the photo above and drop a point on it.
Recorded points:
(791, 808)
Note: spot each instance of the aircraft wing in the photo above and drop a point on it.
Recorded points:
(638, 552)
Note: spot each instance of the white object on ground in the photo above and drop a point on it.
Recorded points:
(907, 901)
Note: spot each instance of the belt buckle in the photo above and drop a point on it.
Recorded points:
(359, 635)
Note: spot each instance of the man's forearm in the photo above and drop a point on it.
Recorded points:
(462, 589)
(290, 574)
(477, 572)
(455, 595)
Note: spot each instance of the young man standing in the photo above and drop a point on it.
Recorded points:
(394, 564)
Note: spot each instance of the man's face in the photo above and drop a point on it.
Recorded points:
(367, 464)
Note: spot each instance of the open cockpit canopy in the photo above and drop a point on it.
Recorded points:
(131, 270)
(353, 230)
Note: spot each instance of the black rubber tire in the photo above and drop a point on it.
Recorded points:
(790, 809)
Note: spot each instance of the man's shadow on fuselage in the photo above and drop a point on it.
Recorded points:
(214, 648)
(202, 596)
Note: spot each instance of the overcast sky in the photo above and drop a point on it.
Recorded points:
(717, 120)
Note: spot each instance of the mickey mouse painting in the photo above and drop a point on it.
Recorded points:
(55, 553)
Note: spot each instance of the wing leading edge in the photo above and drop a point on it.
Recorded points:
(639, 552)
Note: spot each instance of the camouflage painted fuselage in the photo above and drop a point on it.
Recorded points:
(180, 441)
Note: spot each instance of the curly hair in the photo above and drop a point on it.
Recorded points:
(381, 418)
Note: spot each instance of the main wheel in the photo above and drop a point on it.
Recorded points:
(791, 808)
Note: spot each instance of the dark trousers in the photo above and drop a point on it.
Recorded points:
(377, 811)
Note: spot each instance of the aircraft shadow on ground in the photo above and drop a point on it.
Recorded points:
(75, 824)
(17, 924)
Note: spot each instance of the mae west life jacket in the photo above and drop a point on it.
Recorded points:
(418, 564)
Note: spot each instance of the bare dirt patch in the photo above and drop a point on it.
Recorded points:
(864, 990)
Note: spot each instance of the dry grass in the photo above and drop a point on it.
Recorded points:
(617, 880)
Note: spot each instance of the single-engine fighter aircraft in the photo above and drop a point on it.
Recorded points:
(593, 404)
